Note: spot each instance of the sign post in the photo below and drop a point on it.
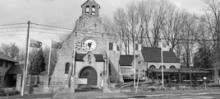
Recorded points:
(205, 78)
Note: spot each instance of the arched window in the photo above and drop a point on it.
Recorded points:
(87, 9)
(164, 67)
(172, 67)
(152, 67)
(93, 10)
(67, 67)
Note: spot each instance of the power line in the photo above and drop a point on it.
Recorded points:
(50, 29)
(12, 24)
(68, 31)
(51, 26)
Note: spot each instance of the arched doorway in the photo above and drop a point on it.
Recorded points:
(91, 75)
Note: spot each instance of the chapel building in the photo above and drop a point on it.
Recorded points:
(89, 52)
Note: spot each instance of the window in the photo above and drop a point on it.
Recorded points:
(6, 65)
(164, 67)
(67, 67)
(110, 46)
(172, 67)
(118, 49)
(93, 8)
(136, 47)
(1, 63)
(109, 68)
(87, 9)
(139, 62)
(152, 67)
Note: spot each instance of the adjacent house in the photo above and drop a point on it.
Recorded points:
(126, 63)
(152, 58)
(7, 75)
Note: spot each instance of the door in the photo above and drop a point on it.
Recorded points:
(91, 75)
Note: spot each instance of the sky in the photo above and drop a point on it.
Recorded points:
(62, 13)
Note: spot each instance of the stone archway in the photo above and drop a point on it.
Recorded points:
(91, 75)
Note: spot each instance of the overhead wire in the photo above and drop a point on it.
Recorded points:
(51, 26)
(56, 30)
(2, 25)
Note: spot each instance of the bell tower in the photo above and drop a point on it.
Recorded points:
(91, 8)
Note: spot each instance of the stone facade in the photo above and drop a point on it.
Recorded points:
(89, 38)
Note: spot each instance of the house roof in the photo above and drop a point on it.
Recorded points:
(17, 69)
(6, 58)
(126, 60)
(151, 54)
(98, 57)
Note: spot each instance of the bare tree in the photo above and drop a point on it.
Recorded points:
(173, 26)
(120, 19)
(213, 15)
(10, 50)
(145, 9)
(158, 22)
(188, 35)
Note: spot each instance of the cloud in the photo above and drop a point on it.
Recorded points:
(62, 13)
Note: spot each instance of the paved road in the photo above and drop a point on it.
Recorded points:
(113, 96)
(149, 97)
(182, 97)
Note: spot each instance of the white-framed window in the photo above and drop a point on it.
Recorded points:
(172, 67)
(164, 67)
(152, 67)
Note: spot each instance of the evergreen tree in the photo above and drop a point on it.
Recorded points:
(37, 63)
(203, 58)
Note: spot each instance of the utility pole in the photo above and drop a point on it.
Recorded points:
(188, 58)
(25, 69)
(50, 50)
(73, 67)
(134, 63)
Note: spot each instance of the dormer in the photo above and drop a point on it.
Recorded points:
(90, 7)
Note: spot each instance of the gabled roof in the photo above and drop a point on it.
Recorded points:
(126, 60)
(6, 58)
(98, 57)
(151, 54)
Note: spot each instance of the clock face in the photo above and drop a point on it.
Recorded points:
(90, 44)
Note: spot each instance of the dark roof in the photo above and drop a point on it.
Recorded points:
(98, 57)
(6, 58)
(79, 57)
(151, 54)
(126, 60)
(17, 69)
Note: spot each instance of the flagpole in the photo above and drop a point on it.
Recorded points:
(162, 71)
(49, 62)
(25, 69)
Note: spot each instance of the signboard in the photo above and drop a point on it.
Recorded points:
(81, 81)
